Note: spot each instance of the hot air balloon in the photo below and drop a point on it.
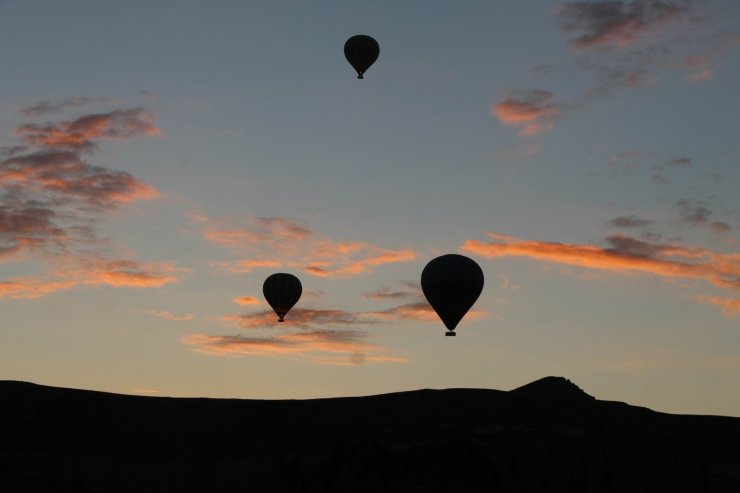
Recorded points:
(361, 51)
(282, 291)
(451, 284)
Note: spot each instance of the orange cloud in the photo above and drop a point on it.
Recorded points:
(171, 316)
(247, 300)
(80, 134)
(334, 347)
(730, 306)
(625, 255)
(245, 266)
(533, 111)
(51, 200)
(95, 272)
(276, 241)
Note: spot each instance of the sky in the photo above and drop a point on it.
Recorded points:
(158, 160)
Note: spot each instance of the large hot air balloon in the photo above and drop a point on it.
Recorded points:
(452, 284)
(361, 51)
(282, 291)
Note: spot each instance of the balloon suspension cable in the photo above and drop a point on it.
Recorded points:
(450, 333)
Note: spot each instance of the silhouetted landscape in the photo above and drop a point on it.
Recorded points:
(547, 436)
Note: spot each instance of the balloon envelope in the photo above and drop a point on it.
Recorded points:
(452, 283)
(361, 51)
(282, 291)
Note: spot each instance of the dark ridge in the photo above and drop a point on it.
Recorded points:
(545, 436)
(553, 388)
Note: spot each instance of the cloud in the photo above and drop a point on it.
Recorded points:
(697, 214)
(93, 272)
(619, 23)
(629, 222)
(625, 255)
(29, 224)
(334, 347)
(412, 291)
(730, 306)
(419, 311)
(700, 65)
(680, 161)
(171, 316)
(303, 318)
(81, 134)
(247, 300)
(533, 111)
(246, 266)
(660, 179)
(52, 200)
(45, 107)
(279, 242)
(65, 174)
(631, 43)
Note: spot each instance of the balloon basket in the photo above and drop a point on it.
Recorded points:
(450, 334)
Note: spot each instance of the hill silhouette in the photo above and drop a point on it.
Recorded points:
(547, 436)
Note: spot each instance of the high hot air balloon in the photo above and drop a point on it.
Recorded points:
(452, 283)
(282, 291)
(361, 51)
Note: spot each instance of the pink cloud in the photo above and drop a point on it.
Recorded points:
(80, 134)
(730, 306)
(93, 272)
(334, 347)
(533, 111)
(278, 242)
(620, 23)
(53, 200)
(171, 316)
(247, 300)
(625, 255)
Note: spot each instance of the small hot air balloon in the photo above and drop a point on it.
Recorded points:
(282, 291)
(361, 51)
(451, 284)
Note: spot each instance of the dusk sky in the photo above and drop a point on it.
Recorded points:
(158, 160)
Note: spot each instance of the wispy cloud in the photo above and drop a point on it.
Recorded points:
(409, 290)
(171, 316)
(630, 222)
(43, 108)
(83, 133)
(52, 201)
(730, 306)
(277, 241)
(532, 111)
(698, 214)
(303, 318)
(92, 272)
(247, 300)
(620, 23)
(680, 161)
(333, 347)
(624, 255)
